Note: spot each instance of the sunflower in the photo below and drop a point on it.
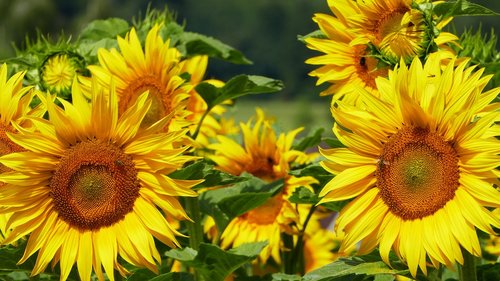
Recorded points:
(14, 107)
(345, 66)
(90, 185)
(419, 163)
(58, 72)
(397, 29)
(268, 157)
(156, 69)
(362, 40)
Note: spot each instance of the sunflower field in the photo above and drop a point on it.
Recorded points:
(120, 158)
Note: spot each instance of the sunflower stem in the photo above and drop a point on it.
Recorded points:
(198, 127)
(194, 228)
(467, 271)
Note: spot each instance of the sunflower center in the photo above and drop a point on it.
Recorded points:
(417, 173)
(267, 212)
(160, 106)
(6, 146)
(95, 185)
(262, 168)
(368, 67)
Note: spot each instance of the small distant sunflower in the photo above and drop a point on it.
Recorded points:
(58, 72)
(89, 187)
(420, 163)
(156, 68)
(268, 157)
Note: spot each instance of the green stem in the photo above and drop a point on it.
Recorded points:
(198, 127)
(467, 271)
(298, 253)
(194, 228)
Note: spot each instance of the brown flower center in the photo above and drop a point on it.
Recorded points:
(161, 100)
(368, 68)
(95, 185)
(417, 173)
(262, 168)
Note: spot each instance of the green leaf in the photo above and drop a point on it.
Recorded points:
(224, 204)
(309, 141)
(316, 171)
(100, 29)
(141, 274)
(315, 34)
(286, 277)
(237, 86)
(352, 267)
(214, 263)
(198, 44)
(333, 142)
(462, 8)
(185, 254)
(303, 195)
(203, 170)
(174, 276)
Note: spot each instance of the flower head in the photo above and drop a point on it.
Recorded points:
(90, 186)
(420, 163)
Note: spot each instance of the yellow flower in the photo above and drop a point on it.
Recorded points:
(420, 163)
(268, 157)
(364, 39)
(156, 69)
(14, 107)
(397, 29)
(89, 187)
(58, 73)
(345, 66)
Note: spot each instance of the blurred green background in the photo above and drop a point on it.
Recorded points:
(264, 30)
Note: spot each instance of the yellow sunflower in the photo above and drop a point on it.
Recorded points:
(156, 68)
(345, 66)
(268, 157)
(14, 107)
(356, 33)
(90, 185)
(58, 73)
(420, 163)
(397, 29)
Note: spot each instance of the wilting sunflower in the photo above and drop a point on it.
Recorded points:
(268, 157)
(14, 107)
(345, 66)
(156, 68)
(58, 72)
(90, 186)
(420, 163)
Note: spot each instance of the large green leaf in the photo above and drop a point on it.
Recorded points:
(461, 8)
(237, 86)
(204, 170)
(285, 277)
(353, 267)
(174, 276)
(215, 264)
(198, 44)
(309, 141)
(226, 203)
